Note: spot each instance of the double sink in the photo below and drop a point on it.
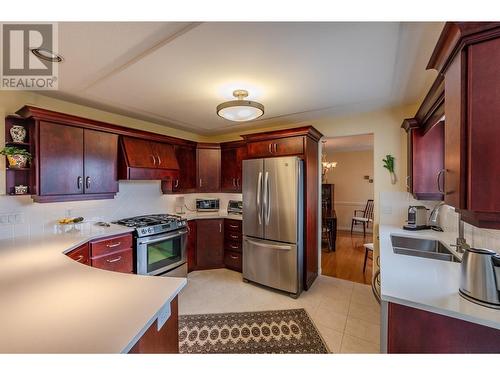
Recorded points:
(420, 247)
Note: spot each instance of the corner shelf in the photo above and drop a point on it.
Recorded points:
(20, 176)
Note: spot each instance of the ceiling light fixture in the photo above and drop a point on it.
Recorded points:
(240, 109)
(47, 55)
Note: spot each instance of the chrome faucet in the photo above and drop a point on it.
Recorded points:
(434, 218)
(461, 243)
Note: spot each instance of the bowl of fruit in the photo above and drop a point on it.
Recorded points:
(70, 224)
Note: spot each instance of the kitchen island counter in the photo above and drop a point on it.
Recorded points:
(53, 304)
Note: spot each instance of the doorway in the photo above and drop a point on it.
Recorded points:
(347, 200)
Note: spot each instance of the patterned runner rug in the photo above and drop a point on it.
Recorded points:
(280, 331)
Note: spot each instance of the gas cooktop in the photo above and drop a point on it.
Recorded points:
(148, 225)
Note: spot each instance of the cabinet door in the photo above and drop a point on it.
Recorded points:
(229, 169)
(165, 155)
(276, 147)
(208, 160)
(455, 135)
(210, 243)
(483, 111)
(139, 153)
(61, 159)
(428, 163)
(191, 245)
(186, 157)
(100, 162)
(241, 154)
(81, 254)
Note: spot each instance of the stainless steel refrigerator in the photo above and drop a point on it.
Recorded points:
(273, 220)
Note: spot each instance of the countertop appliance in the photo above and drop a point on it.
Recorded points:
(235, 207)
(417, 218)
(207, 204)
(480, 277)
(273, 217)
(160, 244)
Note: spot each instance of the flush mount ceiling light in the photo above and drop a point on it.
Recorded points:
(47, 55)
(240, 109)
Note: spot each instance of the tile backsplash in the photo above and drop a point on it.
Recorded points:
(20, 216)
(393, 211)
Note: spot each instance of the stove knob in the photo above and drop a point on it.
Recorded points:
(143, 231)
(150, 230)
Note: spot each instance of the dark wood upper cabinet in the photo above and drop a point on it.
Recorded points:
(208, 167)
(100, 162)
(209, 243)
(232, 155)
(61, 159)
(76, 161)
(276, 147)
(139, 153)
(165, 155)
(426, 155)
(186, 180)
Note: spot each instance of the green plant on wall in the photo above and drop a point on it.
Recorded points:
(389, 165)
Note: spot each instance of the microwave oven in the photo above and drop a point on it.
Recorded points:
(207, 204)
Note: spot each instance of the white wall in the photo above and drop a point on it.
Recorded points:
(134, 198)
(351, 189)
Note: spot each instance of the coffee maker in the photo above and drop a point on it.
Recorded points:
(417, 218)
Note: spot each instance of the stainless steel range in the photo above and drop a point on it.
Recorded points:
(160, 244)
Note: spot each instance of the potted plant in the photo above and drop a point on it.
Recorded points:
(17, 157)
(389, 165)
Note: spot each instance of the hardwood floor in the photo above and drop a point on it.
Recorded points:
(347, 261)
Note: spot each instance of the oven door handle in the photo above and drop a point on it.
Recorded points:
(174, 235)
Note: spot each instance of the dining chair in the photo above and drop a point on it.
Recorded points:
(364, 217)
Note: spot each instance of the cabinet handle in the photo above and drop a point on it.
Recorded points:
(234, 182)
(441, 172)
(176, 183)
(159, 159)
(114, 244)
(79, 258)
(233, 226)
(233, 236)
(200, 182)
(220, 227)
(234, 247)
(233, 257)
(79, 182)
(87, 182)
(275, 148)
(153, 157)
(270, 148)
(114, 259)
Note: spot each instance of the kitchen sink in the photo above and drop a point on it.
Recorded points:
(420, 247)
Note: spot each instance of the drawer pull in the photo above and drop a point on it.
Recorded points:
(234, 236)
(234, 247)
(233, 257)
(233, 226)
(79, 258)
(114, 244)
(114, 259)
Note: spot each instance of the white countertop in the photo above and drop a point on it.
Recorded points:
(427, 284)
(222, 214)
(53, 304)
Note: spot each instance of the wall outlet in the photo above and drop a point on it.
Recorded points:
(4, 219)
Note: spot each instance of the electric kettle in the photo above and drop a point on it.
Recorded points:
(480, 277)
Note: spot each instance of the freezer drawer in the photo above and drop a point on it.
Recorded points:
(272, 264)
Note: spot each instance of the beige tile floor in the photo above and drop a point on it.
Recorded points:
(346, 313)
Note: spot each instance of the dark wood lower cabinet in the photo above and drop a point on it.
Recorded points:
(166, 340)
(412, 330)
(209, 243)
(191, 246)
(81, 254)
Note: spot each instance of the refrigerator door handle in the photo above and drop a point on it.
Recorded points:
(269, 246)
(268, 198)
(259, 188)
